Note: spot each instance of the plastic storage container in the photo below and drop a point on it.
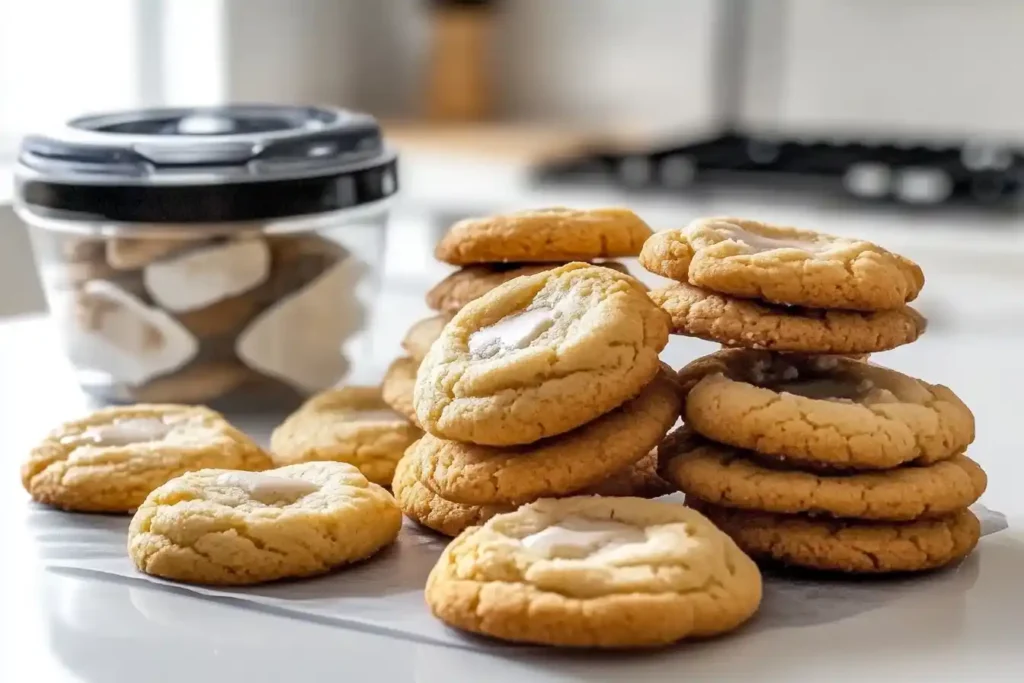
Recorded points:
(223, 255)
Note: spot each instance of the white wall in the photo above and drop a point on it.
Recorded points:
(601, 62)
(586, 61)
(927, 67)
(918, 67)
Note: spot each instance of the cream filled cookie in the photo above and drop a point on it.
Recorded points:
(540, 356)
(784, 265)
(110, 460)
(595, 572)
(228, 527)
(823, 411)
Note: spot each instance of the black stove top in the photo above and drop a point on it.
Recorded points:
(917, 175)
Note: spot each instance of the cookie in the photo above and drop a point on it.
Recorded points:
(846, 545)
(472, 282)
(111, 460)
(422, 334)
(639, 480)
(828, 411)
(863, 357)
(225, 527)
(224, 317)
(482, 475)
(595, 572)
(397, 387)
(555, 234)
(747, 323)
(783, 265)
(425, 507)
(351, 424)
(539, 356)
(733, 478)
(129, 253)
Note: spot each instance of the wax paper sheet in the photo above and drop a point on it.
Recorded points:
(384, 595)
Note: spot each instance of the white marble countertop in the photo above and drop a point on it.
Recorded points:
(55, 627)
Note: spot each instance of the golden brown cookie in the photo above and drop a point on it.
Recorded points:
(129, 253)
(397, 387)
(540, 356)
(422, 505)
(828, 411)
(730, 477)
(784, 265)
(422, 334)
(747, 323)
(483, 475)
(862, 357)
(227, 316)
(639, 480)
(847, 545)
(595, 572)
(472, 282)
(350, 424)
(425, 507)
(556, 234)
(225, 527)
(110, 460)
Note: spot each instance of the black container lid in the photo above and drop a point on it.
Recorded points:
(203, 165)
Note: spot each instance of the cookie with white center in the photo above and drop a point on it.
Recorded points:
(225, 527)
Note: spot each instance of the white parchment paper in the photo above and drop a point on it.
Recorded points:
(384, 595)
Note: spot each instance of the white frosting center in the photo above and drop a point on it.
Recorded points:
(577, 537)
(127, 432)
(266, 488)
(512, 332)
(759, 242)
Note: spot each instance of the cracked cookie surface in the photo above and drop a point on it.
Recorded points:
(472, 282)
(730, 477)
(422, 505)
(540, 356)
(595, 572)
(397, 387)
(747, 323)
(422, 334)
(425, 507)
(555, 234)
(110, 460)
(479, 475)
(783, 265)
(847, 545)
(823, 411)
(351, 424)
(226, 527)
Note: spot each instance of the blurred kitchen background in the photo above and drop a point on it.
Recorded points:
(895, 121)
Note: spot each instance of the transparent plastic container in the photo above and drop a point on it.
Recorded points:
(226, 256)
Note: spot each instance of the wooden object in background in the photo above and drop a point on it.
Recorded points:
(493, 141)
(459, 80)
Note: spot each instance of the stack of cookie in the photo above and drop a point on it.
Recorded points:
(493, 250)
(803, 456)
(547, 386)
